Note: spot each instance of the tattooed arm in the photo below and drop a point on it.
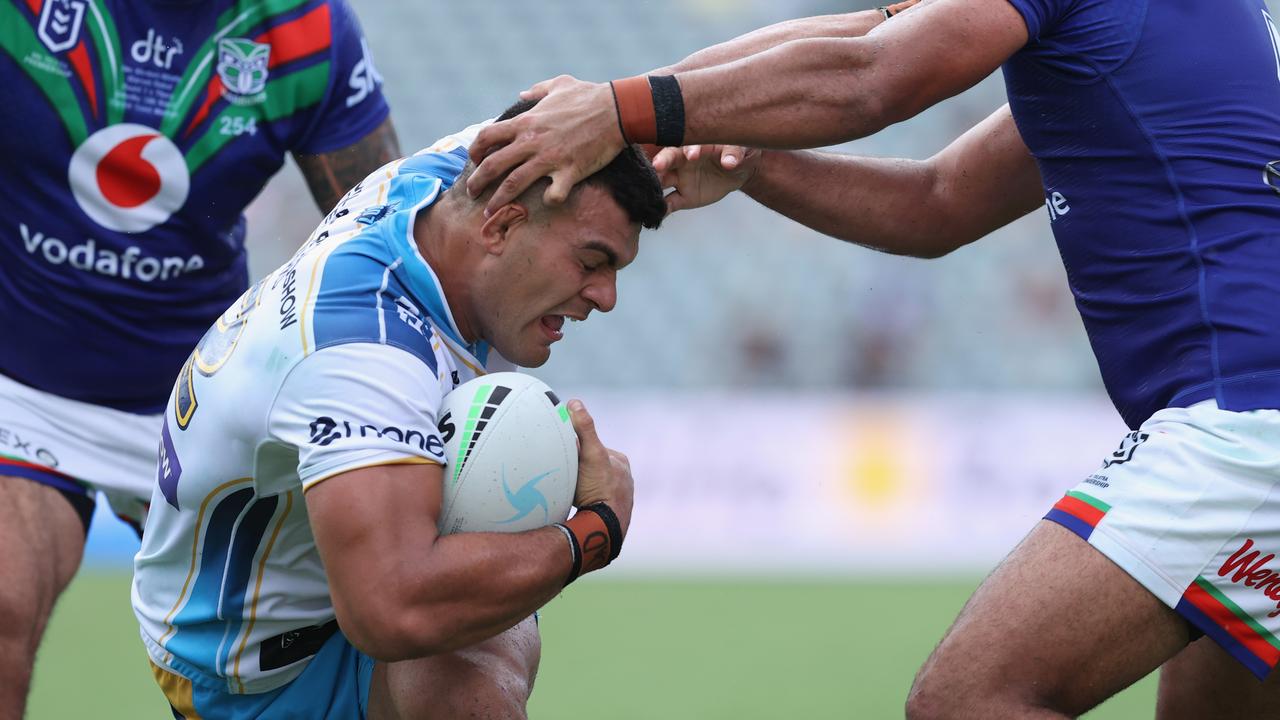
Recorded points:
(331, 174)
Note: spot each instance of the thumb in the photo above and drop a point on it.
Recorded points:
(558, 191)
(589, 445)
(675, 201)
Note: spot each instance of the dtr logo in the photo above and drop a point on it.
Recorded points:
(129, 178)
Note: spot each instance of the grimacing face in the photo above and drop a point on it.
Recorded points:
(555, 266)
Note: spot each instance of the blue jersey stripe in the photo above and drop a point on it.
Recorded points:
(199, 635)
(248, 538)
(359, 301)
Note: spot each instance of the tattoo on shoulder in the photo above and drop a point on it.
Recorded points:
(329, 175)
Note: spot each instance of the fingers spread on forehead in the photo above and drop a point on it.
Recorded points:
(539, 90)
(515, 183)
(499, 164)
(494, 137)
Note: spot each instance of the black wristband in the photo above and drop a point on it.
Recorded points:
(668, 109)
(575, 568)
(610, 519)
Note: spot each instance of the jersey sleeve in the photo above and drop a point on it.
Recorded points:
(354, 105)
(1041, 15)
(358, 405)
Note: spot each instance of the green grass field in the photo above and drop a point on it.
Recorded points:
(628, 650)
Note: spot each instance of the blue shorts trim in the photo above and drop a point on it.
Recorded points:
(75, 492)
(334, 686)
(44, 476)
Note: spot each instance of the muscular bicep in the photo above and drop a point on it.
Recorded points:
(986, 178)
(330, 175)
(940, 48)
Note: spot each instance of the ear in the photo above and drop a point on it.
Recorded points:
(493, 233)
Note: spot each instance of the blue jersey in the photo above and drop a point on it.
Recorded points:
(1154, 124)
(134, 133)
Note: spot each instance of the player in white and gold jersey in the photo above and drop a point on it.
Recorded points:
(290, 564)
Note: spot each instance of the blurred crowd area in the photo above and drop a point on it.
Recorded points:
(731, 295)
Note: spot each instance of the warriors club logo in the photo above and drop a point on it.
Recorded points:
(129, 178)
(242, 68)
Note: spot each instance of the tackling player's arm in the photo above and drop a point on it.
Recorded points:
(401, 590)
(803, 93)
(983, 180)
(330, 175)
(846, 25)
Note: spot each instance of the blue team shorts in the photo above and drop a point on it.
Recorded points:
(334, 686)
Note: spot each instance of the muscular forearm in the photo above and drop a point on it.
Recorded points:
(472, 586)
(830, 26)
(983, 180)
(802, 93)
(819, 91)
(884, 204)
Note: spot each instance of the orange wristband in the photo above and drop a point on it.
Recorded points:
(636, 116)
(592, 534)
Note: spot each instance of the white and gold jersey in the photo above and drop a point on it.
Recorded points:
(338, 360)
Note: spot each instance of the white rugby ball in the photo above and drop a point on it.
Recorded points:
(511, 455)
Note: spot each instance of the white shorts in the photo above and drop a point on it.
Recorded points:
(77, 448)
(1190, 507)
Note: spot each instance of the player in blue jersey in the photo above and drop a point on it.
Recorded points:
(1149, 132)
(292, 569)
(134, 133)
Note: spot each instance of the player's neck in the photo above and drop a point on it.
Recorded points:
(441, 233)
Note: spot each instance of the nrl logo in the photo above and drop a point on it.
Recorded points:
(242, 67)
(60, 22)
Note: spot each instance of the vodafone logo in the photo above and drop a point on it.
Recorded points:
(129, 178)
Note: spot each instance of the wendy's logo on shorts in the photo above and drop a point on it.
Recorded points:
(1128, 447)
(1246, 567)
(128, 177)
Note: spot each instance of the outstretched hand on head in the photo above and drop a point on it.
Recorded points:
(703, 174)
(572, 133)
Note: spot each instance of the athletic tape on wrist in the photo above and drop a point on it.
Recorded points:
(575, 568)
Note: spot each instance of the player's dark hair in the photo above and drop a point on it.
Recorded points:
(629, 178)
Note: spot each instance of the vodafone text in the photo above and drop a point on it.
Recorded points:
(129, 264)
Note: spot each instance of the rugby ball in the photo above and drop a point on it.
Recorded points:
(511, 455)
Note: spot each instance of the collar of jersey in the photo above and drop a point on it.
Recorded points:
(422, 280)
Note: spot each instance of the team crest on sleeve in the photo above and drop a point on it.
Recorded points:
(242, 68)
(60, 23)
